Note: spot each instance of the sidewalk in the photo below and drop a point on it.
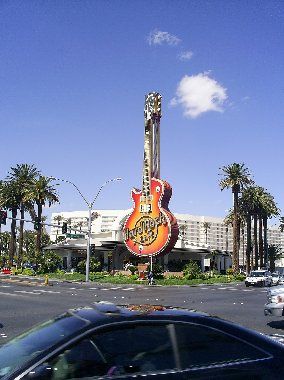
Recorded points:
(25, 280)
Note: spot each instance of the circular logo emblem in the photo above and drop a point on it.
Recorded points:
(145, 231)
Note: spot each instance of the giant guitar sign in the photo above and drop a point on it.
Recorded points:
(151, 229)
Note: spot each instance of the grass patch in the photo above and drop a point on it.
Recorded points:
(104, 277)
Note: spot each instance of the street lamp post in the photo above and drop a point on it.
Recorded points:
(90, 205)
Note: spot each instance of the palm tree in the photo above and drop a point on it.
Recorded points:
(237, 177)
(69, 221)
(274, 253)
(250, 204)
(41, 192)
(206, 227)
(23, 175)
(241, 222)
(268, 210)
(10, 200)
(281, 226)
(58, 219)
(182, 231)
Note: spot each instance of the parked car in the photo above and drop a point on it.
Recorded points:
(259, 278)
(275, 304)
(275, 278)
(108, 341)
(6, 270)
(281, 279)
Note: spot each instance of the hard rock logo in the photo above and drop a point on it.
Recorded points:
(146, 229)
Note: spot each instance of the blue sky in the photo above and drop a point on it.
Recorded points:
(73, 75)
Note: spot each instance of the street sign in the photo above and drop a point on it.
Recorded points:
(75, 236)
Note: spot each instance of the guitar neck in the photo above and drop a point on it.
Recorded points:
(151, 163)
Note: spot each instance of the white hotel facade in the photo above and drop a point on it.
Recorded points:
(193, 242)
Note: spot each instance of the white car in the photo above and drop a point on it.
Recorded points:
(259, 278)
(275, 278)
(281, 279)
(275, 305)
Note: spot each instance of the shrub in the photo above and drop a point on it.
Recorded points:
(239, 277)
(157, 271)
(230, 271)
(132, 269)
(95, 266)
(191, 270)
(28, 272)
(49, 262)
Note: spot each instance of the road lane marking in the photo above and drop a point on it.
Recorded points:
(47, 291)
(128, 288)
(26, 292)
(10, 294)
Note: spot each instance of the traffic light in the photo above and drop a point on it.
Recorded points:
(64, 228)
(93, 248)
(37, 224)
(3, 216)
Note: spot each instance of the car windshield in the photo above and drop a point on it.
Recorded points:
(257, 274)
(275, 275)
(32, 343)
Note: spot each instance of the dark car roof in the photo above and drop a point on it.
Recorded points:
(105, 313)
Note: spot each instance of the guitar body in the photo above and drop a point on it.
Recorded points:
(151, 229)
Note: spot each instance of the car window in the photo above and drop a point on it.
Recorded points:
(142, 348)
(78, 361)
(137, 348)
(112, 352)
(203, 346)
(32, 343)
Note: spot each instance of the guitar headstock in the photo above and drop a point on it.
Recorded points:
(152, 110)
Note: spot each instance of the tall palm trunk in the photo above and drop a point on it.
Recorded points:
(239, 239)
(260, 242)
(248, 248)
(12, 245)
(21, 236)
(256, 257)
(235, 233)
(39, 231)
(265, 241)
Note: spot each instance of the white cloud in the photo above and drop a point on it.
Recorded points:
(157, 37)
(185, 55)
(198, 94)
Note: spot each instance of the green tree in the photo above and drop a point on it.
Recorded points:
(49, 262)
(281, 226)
(206, 227)
(23, 175)
(4, 251)
(274, 253)
(182, 231)
(41, 192)
(95, 266)
(191, 270)
(29, 247)
(268, 210)
(237, 177)
(10, 200)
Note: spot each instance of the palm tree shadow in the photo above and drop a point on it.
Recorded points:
(279, 325)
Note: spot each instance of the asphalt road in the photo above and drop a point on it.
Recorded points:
(22, 305)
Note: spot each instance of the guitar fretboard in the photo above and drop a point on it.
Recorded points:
(151, 163)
